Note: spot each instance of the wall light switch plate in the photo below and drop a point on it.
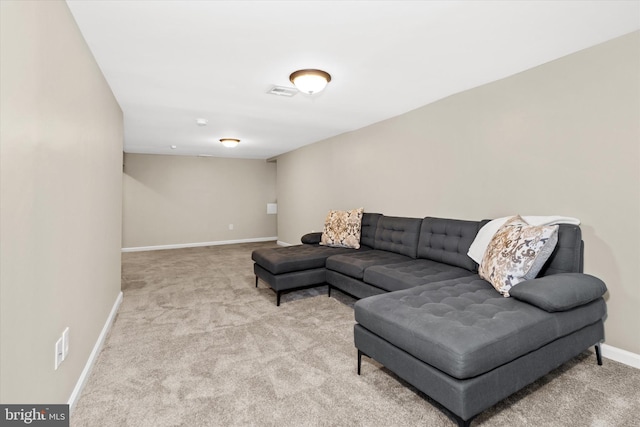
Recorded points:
(59, 353)
(65, 343)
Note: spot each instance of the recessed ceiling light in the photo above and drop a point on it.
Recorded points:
(230, 142)
(202, 122)
(173, 147)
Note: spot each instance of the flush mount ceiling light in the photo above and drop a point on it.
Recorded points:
(310, 81)
(230, 142)
(202, 122)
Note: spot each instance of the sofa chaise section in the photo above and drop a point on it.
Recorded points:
(464, 328)
(467, 347)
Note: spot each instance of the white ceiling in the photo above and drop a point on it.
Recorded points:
(170, 62)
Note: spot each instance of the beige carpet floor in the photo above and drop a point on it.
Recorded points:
(196, 344)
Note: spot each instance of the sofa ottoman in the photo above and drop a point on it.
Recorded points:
(301, 266)
(293, 267)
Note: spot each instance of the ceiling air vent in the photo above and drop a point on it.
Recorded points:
(283, 91)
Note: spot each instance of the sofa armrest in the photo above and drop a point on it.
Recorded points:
(311, 238)
(559, 292)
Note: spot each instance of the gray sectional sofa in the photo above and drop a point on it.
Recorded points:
(426, 315)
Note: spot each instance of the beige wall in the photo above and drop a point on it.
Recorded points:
(560, 139)
(61, 192)
(172, 200)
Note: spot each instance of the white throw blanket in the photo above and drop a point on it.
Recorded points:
(482, 240)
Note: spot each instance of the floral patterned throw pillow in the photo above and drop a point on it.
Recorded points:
(342, 229)
(517, 253)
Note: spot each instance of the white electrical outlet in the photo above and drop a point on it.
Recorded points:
(59, 353)
(230, 226)
(65, 343)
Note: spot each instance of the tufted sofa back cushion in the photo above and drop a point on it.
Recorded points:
(567, 257)
(398, 234)
(368, 229)
(448, 240)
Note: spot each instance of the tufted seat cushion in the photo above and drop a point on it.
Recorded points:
(354, 264)
(394, 277)
(296, 258)
(465, 328)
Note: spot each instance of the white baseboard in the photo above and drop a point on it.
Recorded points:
(199, 244)
(75, 394)
(620, 355)
(281, 243)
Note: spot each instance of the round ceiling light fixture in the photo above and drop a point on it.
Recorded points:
(230, 142)
(310, 81)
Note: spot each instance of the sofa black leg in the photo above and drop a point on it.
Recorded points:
(256, 281)
(598, 354)
(360, 354)
(277, 298)
(329, 292)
